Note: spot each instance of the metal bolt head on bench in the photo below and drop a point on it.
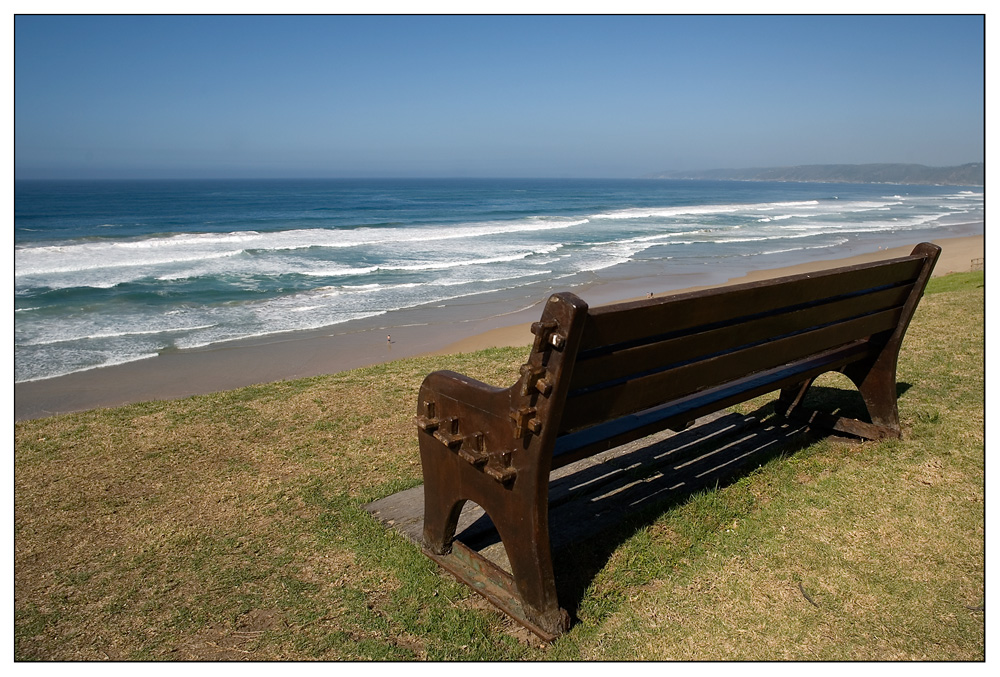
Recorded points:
(599, 377)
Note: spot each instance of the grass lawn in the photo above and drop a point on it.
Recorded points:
(230, 527)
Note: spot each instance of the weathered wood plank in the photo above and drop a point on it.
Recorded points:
(608, 434)
(627, 322)
(675, 349)
(584, 408)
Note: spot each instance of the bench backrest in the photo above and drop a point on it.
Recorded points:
(630, 357)
(634, 356)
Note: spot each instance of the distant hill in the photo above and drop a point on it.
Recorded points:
(972, 174)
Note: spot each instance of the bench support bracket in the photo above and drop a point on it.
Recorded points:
(498, 586)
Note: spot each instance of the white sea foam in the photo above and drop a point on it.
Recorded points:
(37, 262)
(67, 366)
(288, 313)
(703, 210)
(200, 341)
(196, 240)
(761, 238)
(337, 271)
(788, 250)
(142, 257)
(490, 280)
(112, 334)
(443, 265)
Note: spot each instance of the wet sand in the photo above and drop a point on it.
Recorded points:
(417, 331)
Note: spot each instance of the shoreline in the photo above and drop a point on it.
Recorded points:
(419, 331)
(956, 256)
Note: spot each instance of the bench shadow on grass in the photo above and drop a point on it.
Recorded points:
(597, 504)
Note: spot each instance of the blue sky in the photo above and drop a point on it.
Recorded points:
(510, 96)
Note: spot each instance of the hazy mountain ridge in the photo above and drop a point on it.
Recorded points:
(971, 174)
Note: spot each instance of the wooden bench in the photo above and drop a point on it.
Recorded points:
(600, 377)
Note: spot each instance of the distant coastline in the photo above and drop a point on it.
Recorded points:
(971, 174)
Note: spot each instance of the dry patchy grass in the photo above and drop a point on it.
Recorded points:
(211, 528)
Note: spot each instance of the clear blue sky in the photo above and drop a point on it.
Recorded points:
(550, 96)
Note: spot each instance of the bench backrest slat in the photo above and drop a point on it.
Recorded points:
(625, 324)
(600, 366)
(594, 405)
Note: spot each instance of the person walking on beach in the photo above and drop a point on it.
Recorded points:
(388, 338)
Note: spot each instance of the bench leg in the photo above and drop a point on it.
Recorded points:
(791, 398)
(519, 513)
(528, 594)
(442, 508)
(526, 541)
(877, 385)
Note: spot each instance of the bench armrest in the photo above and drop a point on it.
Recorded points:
(469, 417)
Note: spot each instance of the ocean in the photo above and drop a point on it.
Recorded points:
(107, 272)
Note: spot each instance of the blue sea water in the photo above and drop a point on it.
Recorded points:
(113, 271)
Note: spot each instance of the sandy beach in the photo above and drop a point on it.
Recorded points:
(299, 354)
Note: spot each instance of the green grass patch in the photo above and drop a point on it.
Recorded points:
(957, 282)
(230, 527)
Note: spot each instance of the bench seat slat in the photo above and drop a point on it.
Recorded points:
(585, 407)
(619, 364)
(625, 323)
